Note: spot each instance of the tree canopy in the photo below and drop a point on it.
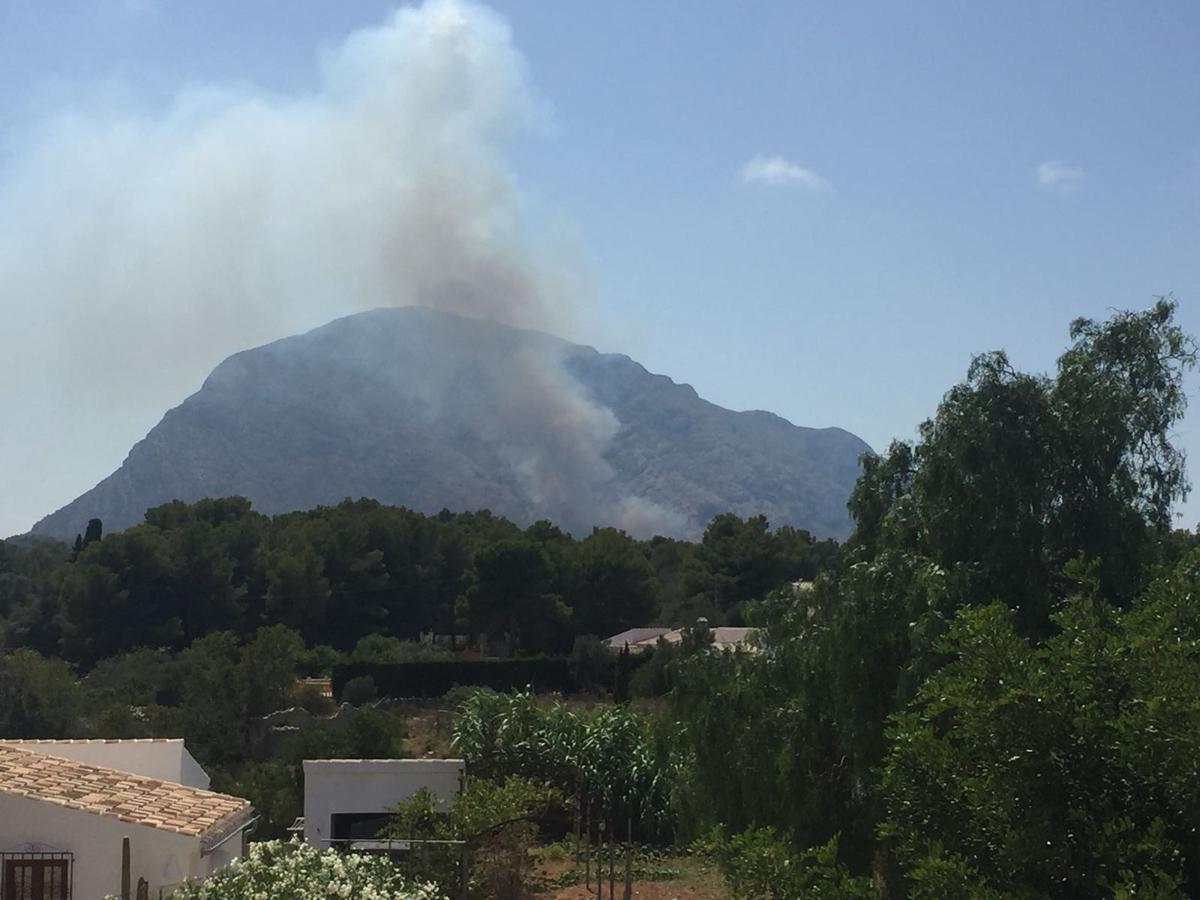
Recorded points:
(966, 541)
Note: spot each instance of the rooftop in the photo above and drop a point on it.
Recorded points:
(130, 798)
(643, 639)
(722, 635)
(635, 636)
(51, 741)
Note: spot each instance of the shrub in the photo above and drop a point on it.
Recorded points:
(488, 815)
(433, 679)
(592, 662)
(295, 871)
(360, 690)
(758, 864)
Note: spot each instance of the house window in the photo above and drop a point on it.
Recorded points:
(356, 826)
(35, 876)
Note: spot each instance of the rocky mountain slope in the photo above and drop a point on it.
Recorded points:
(430, 410)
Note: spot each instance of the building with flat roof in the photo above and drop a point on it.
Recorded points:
(347, 800)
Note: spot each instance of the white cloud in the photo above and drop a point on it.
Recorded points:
(1054, 175)
(775, 171)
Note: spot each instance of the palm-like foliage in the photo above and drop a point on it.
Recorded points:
(607, 757)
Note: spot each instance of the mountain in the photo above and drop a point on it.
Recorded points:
(431, 410)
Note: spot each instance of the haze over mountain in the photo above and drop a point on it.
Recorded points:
(432, 410)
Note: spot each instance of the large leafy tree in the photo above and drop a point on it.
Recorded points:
(39, 698)
(1015, 476)
(613, 586)
(513, 594)
(1065, 768)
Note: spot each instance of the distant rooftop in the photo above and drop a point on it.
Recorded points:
(635, 636)
(130, 798)
(724, 636)
(642, 639)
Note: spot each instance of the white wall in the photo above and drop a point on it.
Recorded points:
(369, 786)
(164, 859)
(166, 760)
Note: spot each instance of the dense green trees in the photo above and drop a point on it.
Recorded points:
(742, 559)
(1065, 768)
(1017, 474)
(613, 587)
(39, 698)
(337, 574)
(514, 594)
(1016, 482)
(197, 622)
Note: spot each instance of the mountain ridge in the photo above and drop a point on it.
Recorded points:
(433, 410)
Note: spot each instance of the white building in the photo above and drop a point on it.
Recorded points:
(350, 799)
(66, 807)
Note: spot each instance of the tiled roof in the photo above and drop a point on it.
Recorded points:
(124, 796)
(51, 741)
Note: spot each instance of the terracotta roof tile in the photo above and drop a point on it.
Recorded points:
(130, 798)
(52, 741)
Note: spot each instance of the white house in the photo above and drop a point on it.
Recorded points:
(349, 799)
(65, 808)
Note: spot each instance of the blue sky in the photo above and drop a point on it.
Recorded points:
(932, 179)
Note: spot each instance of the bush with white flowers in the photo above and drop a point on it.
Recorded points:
(276, 870)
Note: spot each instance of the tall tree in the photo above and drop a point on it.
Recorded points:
(513, 595)
(1015, 476)
(39, 698)
(613, 588)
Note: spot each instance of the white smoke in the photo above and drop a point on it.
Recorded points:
(139, 248)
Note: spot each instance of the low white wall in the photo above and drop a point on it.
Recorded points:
(164, 859)
(370, 786)
(166, 760)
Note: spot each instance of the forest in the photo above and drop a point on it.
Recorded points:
(990, 690)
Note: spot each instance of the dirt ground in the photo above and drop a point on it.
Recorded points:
(651, 890)
(696, 882)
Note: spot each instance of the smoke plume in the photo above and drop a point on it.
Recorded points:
(140, 247)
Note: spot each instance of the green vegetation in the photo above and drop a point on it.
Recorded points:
(1063, 767)
(608, 758)
(992, 690)
(991, 695)
(363, 580)
(291, 871)
(492, 822)
(197, 622)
